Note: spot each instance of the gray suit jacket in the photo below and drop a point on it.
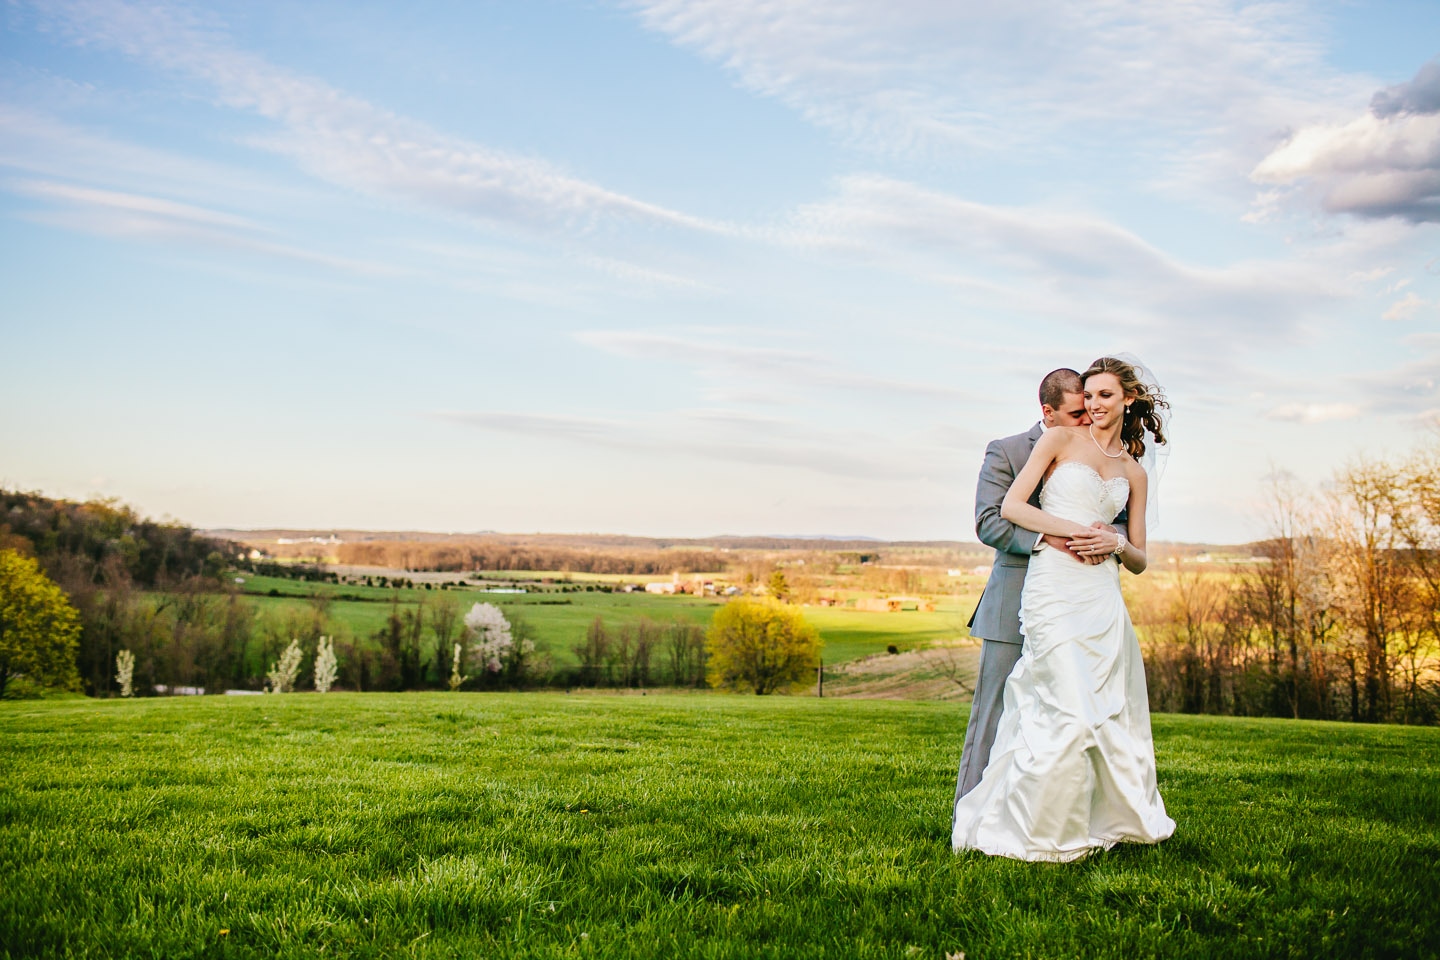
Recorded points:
(998, 615)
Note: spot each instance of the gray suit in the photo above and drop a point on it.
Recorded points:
(997, 619)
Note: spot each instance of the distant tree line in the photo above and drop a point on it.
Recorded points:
(481, 555)
(1336, 618)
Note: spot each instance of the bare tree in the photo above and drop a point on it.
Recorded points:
(685, 653)
(1418, 525)
(445, 626)
(593, 654)
(1365, 500)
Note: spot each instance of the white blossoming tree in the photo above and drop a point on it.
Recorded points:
(125, 672)
(282, 675)
(327, 668)
(456, 676)
(489, 634)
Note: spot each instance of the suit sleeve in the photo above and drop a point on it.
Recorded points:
(996, 475)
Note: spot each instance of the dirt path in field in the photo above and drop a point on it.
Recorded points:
(934, 673)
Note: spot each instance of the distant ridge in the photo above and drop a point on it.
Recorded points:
(613, 541)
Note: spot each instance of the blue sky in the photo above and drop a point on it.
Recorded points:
(718, 266)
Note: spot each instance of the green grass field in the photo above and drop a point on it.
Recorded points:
(561, 619)
(851, 634)
(545, 825)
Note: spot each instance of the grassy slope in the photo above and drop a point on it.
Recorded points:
(848, 634)
(547, 825)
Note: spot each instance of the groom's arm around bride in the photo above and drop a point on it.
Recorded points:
(996, 621)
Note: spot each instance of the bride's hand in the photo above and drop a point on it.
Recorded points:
(1095, 544)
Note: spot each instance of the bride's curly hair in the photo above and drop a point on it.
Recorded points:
(1142, 412)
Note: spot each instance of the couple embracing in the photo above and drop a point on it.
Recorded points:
(1058, 760)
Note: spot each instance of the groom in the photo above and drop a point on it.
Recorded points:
(996, 620)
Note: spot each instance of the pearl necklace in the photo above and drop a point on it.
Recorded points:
(1112, 456)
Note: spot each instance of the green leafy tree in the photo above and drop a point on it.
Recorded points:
(762, 645)
(39, 629)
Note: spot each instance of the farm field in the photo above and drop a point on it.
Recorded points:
(851, 634)
(561, 619)
(546, 825)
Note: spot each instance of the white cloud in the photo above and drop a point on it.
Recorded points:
(1371, 275)
(1406, 307)
(1384, 163)
(1313, 412)
(348, 141)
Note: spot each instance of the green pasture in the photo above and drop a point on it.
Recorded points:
(546, 825)
(561, 619)
(851, 634)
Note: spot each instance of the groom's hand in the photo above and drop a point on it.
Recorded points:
(1063, 545)
(1095, 546)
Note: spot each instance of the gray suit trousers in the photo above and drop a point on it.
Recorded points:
(997, 660)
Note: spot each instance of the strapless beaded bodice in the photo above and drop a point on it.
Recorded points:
(1076, 492)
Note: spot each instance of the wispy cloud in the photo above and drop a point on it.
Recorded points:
(728, 436)
(638, 276)
(1407, 387)
(36, 144)
(1406, 307)
(917, 74)
(1060, 264)
(1313, 412)
(117, 213)
(349, 141)
(725, 355)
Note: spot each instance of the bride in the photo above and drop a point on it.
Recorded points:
(1073, 766)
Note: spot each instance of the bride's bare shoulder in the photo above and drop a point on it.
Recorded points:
(1135, 473)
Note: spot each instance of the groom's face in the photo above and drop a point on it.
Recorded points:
(1071, 412)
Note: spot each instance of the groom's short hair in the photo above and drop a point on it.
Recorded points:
(1056, 384)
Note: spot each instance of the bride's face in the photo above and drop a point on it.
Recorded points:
(1105, 400)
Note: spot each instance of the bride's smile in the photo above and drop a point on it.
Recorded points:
(1105, 402)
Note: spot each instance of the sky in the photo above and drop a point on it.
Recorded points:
(697, 267)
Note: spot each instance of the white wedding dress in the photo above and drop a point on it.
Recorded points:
(1073, 765)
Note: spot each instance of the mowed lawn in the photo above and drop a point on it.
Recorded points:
(546, 825)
